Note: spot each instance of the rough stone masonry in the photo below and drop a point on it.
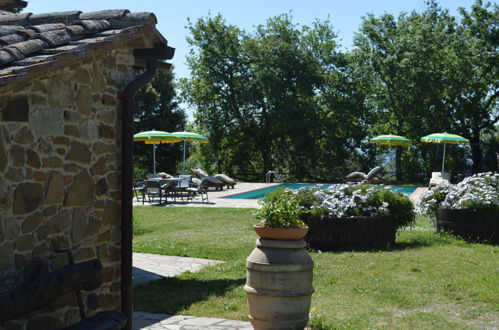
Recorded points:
(60, 173)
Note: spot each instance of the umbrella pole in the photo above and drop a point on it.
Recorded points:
(154, 158)
(184, 151)
(443, 160)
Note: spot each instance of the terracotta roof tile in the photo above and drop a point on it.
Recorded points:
(12, 39)
(65, 17)
(105, 14)
(31, 39)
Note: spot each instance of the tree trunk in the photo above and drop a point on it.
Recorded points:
(398, 165)
(219, 166)
(476, 152)
(267, 160)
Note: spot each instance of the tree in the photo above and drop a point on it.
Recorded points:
(405, 59)
(431, 74)
(156, 108)
(272, 99)
(474, 85)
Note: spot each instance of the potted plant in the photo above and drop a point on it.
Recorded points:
(469, 209)
(352, 216)
(279, 271)
(279, 217)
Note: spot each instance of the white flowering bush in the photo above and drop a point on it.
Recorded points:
(347, 201)
(341, 201)
(478, 192)
(337, 201)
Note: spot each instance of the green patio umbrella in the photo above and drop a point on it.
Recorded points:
(154, 137)
(391, 140)
(445, 138)
(189, 137)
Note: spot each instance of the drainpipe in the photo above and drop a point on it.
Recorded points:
(127, 186)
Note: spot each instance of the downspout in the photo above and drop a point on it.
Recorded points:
(127, 186)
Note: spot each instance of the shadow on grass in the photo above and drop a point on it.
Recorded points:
(170, 295)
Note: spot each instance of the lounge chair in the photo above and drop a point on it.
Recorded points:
(362, 177)
(439, 177)
(230, 183)
(217, 180)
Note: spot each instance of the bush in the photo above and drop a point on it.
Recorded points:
(478, 192)
(280, 209)
(347, 201)
(400, 206)
(338, 201)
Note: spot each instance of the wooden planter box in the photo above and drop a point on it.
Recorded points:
(473, 225)
(340, 233)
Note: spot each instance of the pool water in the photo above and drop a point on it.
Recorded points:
(260, 193)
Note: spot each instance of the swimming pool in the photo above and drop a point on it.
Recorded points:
(260, 193)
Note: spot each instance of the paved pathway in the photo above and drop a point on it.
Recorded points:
(216, 197)
(151, 321)
(149, 267)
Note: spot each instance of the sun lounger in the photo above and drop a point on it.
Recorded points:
(218, 180)
(230, 183)
(362, 177)
(439, 177)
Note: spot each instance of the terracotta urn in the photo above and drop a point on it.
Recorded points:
(279, 275)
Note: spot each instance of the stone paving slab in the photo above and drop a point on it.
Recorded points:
(150, 321)
(149, 267)
(414, 197)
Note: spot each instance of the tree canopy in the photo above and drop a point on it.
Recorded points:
(274, 99)
(285, 97)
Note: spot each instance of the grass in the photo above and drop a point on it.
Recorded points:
(428, 280)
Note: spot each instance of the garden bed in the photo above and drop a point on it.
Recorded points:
(474, 225)
(347, 233)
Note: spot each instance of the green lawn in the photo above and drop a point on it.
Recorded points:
(427, 280)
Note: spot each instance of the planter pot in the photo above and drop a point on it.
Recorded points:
(345, 233)
(280, 233)
(279, 284)
(473, 225)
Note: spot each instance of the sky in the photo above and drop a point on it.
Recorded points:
(172, 15)
(345, 16)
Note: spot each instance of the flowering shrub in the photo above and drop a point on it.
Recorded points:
(342, 201)
(478, 192)
(347, 201)
(337, 201)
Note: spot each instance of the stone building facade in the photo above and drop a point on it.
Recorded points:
(60, 163)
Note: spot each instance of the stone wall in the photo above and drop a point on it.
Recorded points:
(60, 179)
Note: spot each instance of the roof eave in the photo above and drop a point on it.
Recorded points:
(132, 35)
